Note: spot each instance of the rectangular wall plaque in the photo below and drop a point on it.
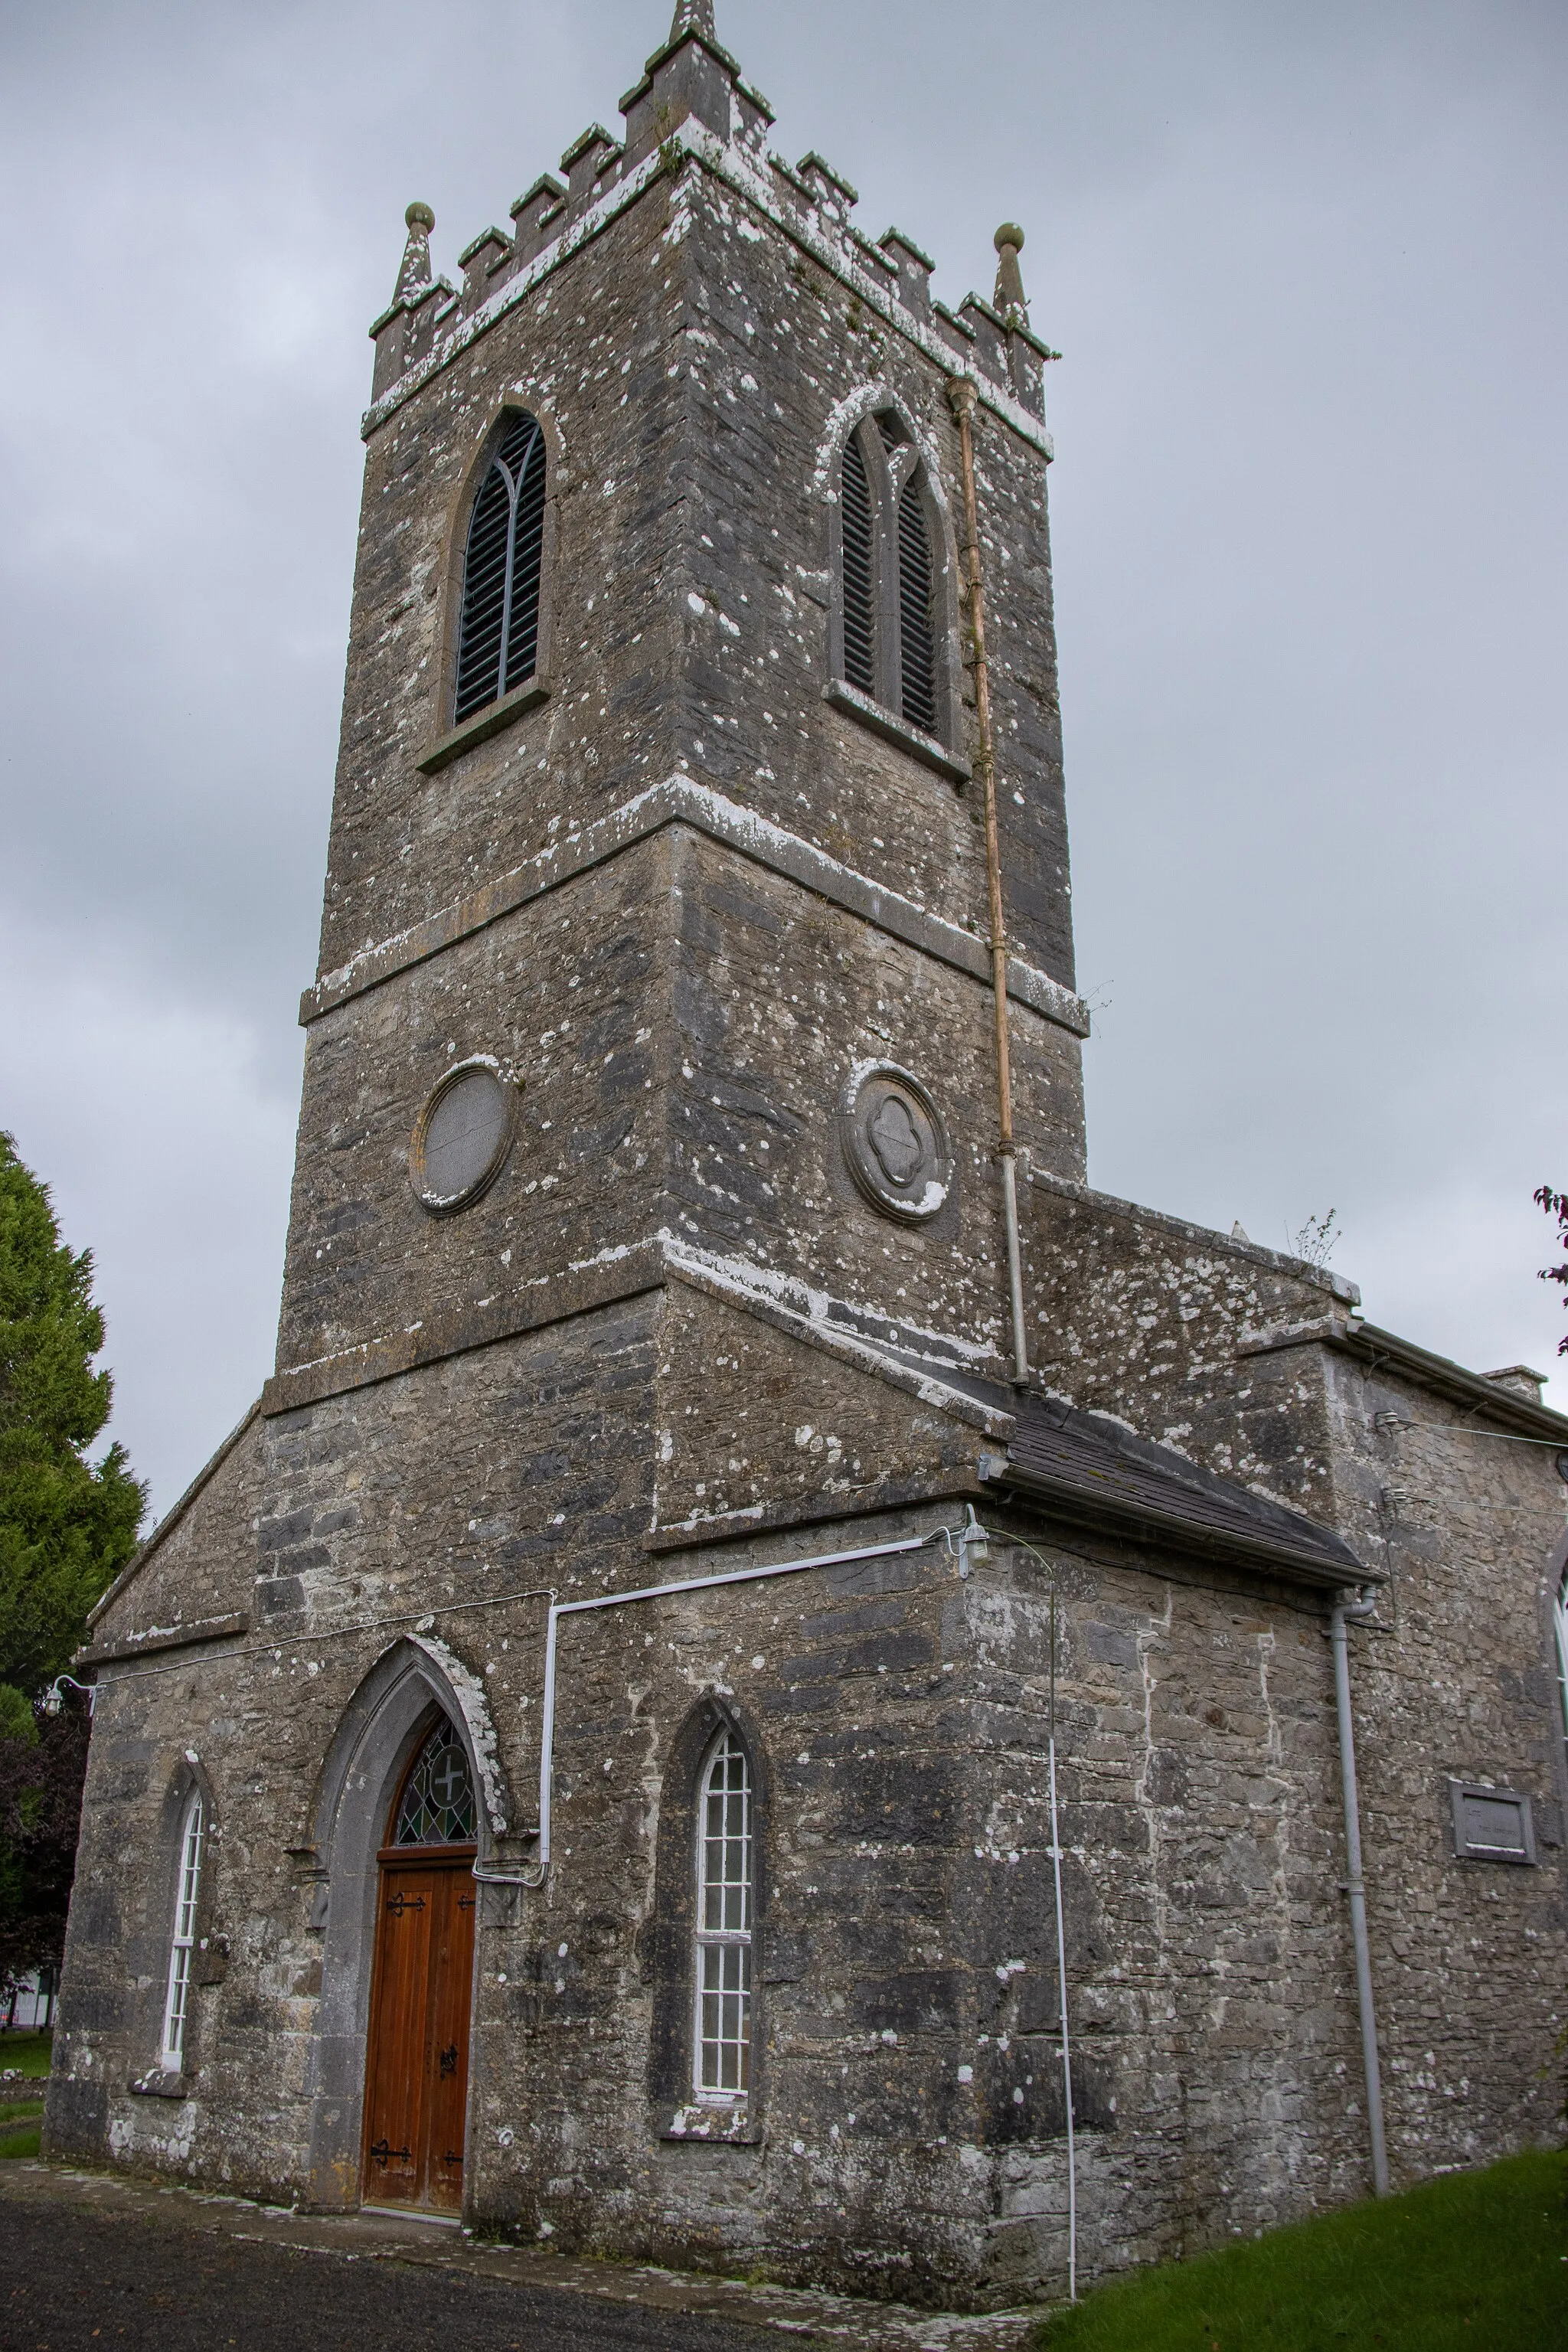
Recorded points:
(1492, 1824)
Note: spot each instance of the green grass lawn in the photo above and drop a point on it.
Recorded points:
(27, 2053)
(21, 2127)
(1474, 2260)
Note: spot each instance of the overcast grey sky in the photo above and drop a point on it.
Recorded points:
(1305, 265)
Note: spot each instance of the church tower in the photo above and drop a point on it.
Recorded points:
(659, 840)
(669, 1729)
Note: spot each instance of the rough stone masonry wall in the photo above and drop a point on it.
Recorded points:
(840, 1681)
(775, 348)
(1144, 1317)
(647, 450)
(592, 352)
(452, 1484)
(514, 1466)
(1456, 1681)
(1170, 1327)
(185, 1577)
(689, 363)
(1211, 2000)
(572, 996)
(682, 1025)
(910, 2097)
(777, 998)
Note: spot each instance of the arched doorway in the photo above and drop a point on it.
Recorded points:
(416, 2055)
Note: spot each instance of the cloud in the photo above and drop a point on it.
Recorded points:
(167, 1147)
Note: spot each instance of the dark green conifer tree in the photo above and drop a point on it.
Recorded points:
(68, 1526)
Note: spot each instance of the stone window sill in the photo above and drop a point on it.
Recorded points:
(483, 723)
(704, 2127)
(158, 2086)
(894, 729)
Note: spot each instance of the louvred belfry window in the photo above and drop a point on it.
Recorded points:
(859, 594)
(498, 645)
(917, 680)
(888, 575)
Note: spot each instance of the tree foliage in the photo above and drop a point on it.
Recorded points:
(1556, 1205)
(68, 1526)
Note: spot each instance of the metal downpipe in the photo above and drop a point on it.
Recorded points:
(961, 394)
(1355, 1611)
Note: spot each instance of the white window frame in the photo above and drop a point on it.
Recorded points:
(726, 1877)
(1560, 1621)
(183, 1943)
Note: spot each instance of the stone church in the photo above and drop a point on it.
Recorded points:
(773, 1680)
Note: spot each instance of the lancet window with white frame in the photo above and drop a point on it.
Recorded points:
(890, 620)
(726, 1849)
(183, 1942)
(1560, 1623)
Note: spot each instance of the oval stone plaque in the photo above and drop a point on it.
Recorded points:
(461, 1137)
(894, 1142)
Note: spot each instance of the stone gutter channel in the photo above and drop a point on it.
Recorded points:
(807, 2314)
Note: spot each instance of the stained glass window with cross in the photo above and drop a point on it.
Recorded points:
(437, 1807)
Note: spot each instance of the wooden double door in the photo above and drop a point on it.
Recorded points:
(416, 2065)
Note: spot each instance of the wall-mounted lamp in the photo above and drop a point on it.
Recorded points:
(54, 1697)
(973, 1544)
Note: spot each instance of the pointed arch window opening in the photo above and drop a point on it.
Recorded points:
(498, 646)
(183, 1942)
(725, 1866)
(888, 614)
(1560, 1626)
(436, 1803)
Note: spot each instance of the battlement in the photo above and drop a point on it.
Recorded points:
(693, 103)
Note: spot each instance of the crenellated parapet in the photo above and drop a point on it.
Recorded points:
(693, 103)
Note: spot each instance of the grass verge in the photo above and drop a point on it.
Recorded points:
(25, 2054)
(1474, 2259)
(21, 2129)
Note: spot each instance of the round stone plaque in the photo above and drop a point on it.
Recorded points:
(461, 1137)
(894, 1142)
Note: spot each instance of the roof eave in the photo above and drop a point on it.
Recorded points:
(1444, 1378)
(1142, 1524)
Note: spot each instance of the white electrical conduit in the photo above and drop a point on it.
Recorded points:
(559, 1609)
(1061, 1932)
(1062, 1976)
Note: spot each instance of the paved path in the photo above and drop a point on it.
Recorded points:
(94, 2263)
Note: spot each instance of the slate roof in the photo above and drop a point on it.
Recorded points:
(1094, 1471)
